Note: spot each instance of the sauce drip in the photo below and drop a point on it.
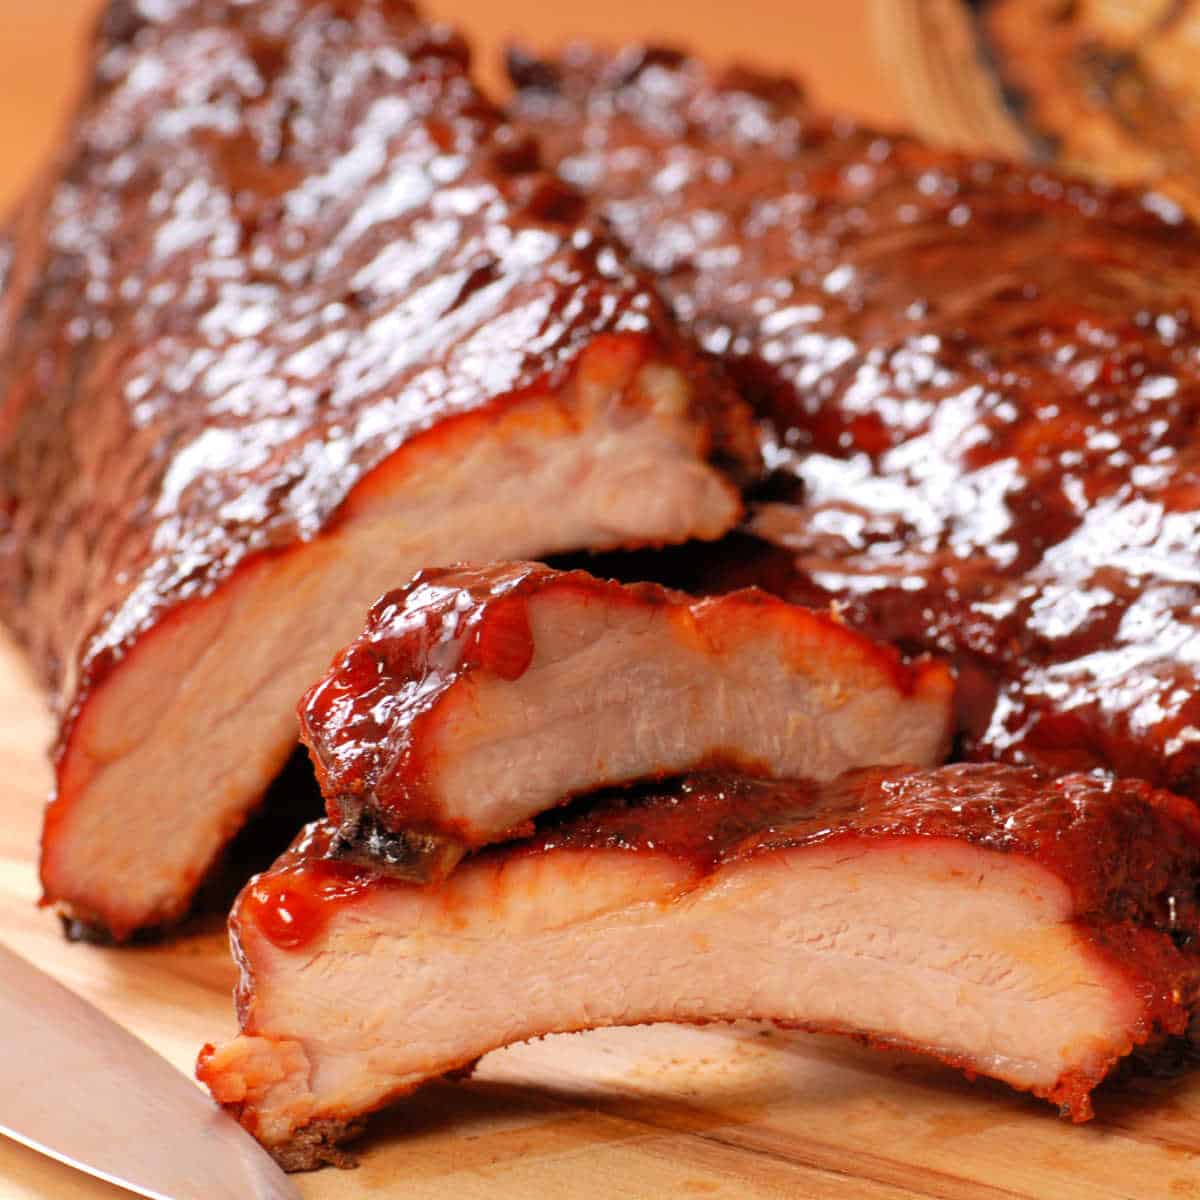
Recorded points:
(292, 906)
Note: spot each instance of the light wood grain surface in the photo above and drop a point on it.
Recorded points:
(656, 1112)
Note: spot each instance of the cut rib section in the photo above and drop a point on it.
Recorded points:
(1028, 930)
(478, 697)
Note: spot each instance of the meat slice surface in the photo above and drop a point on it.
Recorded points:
(478, 697)
(294, 315)
(1032, 931)
(980, 382)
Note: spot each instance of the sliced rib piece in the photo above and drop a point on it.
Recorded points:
(479, 697)
(295, 317)
(985, 380)
(1031, 931)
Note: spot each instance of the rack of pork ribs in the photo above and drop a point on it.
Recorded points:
(298, 317)
(980, 384)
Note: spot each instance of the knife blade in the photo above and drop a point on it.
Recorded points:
(78, 1087)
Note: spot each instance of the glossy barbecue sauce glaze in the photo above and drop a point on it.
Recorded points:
(372, 722)
(292, 902)
(1130, 856)
(980, 385)
(362, 722)
(285, 239)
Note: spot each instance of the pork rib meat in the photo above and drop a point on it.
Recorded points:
(1028, 930)
(981, 383)
(478, 697)
(294, 315)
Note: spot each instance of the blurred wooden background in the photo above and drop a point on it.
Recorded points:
(829, 43)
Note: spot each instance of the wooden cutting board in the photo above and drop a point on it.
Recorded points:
(666, 1111)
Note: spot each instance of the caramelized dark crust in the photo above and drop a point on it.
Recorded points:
(1112, 86)
(320, 1145)
(477, 697)
(287, 256)
(1054, 921)
(210, 329)
(982, 380)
